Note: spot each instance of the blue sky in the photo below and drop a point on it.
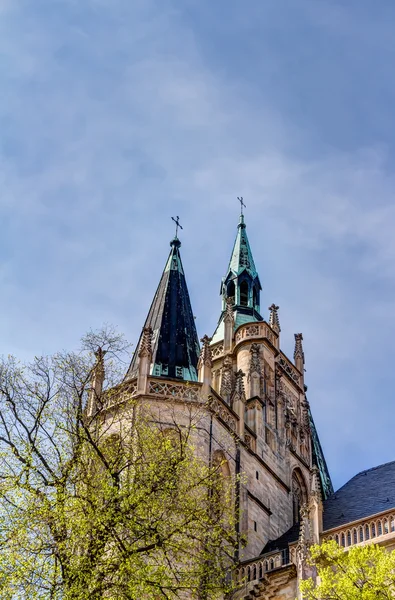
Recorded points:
(116, 115)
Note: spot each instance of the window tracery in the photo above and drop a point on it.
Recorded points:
(299, 494)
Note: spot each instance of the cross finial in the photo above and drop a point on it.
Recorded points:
(240, 199)
(178, 225)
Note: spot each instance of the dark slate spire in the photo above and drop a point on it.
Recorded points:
(175, 344)
(241, 284)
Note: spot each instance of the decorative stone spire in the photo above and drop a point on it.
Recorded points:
(145, 357)
(174, 343)
(298, 353)
(239, 400)
(255, 371)
(206, 354)
(205, 364)
(228, 325)
(304, 539)
(255, 361)
(98, 375)
(228, 316)
(316, 505)
(145, 348)
(315, 484)
(274, 321)
(226, 379)
(239, 385)
(305, 414)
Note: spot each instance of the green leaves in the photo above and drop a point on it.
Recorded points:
(111, 504)
(361, 573)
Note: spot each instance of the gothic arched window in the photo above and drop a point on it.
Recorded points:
(299, 494)
(231, 291)
(221, 489)
(244, 293)
(255, 297)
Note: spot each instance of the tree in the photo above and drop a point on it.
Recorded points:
(358, 573)
(95, 500)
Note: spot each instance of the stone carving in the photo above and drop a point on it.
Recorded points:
(255, 370)
(298, 353)
(146, 342)
(305, 420)
(255, 361)
(278, 384)
(239, 391)
(205, 354)
(274, 321)
(304, 543)
(239, 385)
(256, 330)
(252, 331)
(229, 315)
(222, 412)
(217, 350)
(182, 391)
(289, 369)
(249, 440)
(315, 492)
(227, 378)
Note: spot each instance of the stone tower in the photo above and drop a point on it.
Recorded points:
(257, 418)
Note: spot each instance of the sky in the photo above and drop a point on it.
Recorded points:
(116, 115)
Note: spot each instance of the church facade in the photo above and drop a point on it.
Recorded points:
(257, 425)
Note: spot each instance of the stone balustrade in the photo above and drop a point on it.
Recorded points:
(223, 411)
(255, 569)
(174, 390)
(217, 350)
(367, 530)
(289, 368)
(256, 330)
(119, 394)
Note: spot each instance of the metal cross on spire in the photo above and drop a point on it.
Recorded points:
(178, 225)
(240, 199)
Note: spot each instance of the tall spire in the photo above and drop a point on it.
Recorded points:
(241, 259)
(175, 345)
(241, 285)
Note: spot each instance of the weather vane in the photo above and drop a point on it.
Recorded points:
(240, 199)
(177, 222)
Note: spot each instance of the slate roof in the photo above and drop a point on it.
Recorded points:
(368, 493)
(284, 540)
(175, 344)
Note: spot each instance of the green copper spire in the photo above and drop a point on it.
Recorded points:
(241, 284)
(175, 344)
(241, 259)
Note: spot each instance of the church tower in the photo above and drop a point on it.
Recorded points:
(278, 444)
(256, 420)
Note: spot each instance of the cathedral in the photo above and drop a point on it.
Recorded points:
(259, 425)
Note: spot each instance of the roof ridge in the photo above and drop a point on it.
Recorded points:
(390, 462)
(364, 472)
